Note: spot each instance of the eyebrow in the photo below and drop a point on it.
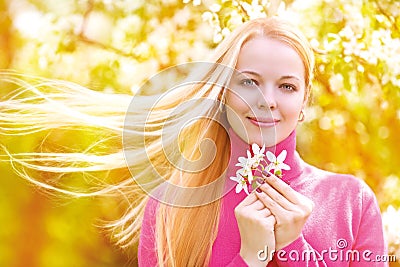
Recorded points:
(290, 77)
(257, 74)
(249, 72)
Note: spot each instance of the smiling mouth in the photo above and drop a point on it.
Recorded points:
(263, 122)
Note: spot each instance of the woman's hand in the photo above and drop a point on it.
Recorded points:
(290, 209)
(256, 227)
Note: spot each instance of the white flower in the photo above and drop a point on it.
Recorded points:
(277, 162)
(390, 219)
(244, 175)
(247, 165)
(241, 183)
(258, 154)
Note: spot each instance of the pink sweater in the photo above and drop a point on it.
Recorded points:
(345, 223)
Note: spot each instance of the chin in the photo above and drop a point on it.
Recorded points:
(268, 140)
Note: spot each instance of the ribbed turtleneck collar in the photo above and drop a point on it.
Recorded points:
(239, 149)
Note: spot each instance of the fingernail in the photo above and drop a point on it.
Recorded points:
(260, 180)
(266, 173)
(258, 190)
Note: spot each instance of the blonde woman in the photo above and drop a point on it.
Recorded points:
(311, 217)
(217, 179)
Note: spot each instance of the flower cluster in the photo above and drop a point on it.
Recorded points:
(250, 174)
(390, 219)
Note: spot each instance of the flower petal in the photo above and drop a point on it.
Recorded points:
(282, 156)
(248, 155)
(238, 188)
(270, 156)
(246, 189)
(255, 148)
(269, 167)
(250, 177)
(242, 160)
(284, 166)
(237, 179)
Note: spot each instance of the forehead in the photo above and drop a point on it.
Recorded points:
(266, 54)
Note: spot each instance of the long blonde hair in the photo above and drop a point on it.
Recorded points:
(144, 153)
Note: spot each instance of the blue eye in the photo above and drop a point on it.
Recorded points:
(248, 82)
(288, 87)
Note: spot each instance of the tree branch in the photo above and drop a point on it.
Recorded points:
(388, 16)
(117, 51)
(83, 38)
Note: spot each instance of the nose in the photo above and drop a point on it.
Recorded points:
(267, 99)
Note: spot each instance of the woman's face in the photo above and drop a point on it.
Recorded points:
(267, 92)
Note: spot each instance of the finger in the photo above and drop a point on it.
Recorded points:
(264, 212)
(250, 199)
(276, 196)
(274, 207)
(257, 205)
(283, 188)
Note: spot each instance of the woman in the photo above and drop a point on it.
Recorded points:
(189, 201)
(312, 217)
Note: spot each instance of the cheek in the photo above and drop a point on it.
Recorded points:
(236, 109)
(236, 103)
(291, 109)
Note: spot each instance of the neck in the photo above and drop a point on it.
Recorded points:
(239, 148)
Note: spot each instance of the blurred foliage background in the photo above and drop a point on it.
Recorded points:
(115, 45)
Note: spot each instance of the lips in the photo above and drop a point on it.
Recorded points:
(263, 122)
